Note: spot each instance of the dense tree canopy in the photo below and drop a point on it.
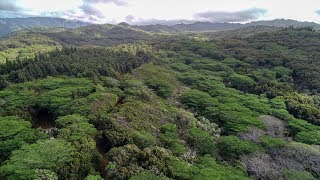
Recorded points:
(175, 108)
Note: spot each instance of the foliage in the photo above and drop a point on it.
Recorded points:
(146, 175)
(49, 154)
(308, 137)
(207, 167)
(162, 88)
(231, 147)
(271, 142)
(241, 82)
(143, 139)
(292, 174)
(177, 107)
(14, 133)
(171, 140)
(80, 63)
(201, 140)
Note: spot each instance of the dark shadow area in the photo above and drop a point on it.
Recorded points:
(103, 146)
(42, 118)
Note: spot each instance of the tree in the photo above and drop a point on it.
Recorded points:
(162, 88)
(25, 163)
(231, 147)
(3, 83)
(15, 132)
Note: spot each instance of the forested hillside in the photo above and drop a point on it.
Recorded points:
(9, 25)
(39, 34)
(174, 107)
(27, 43)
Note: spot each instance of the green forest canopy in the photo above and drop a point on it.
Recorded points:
(174, 108)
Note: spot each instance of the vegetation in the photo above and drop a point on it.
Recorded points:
(172, 108)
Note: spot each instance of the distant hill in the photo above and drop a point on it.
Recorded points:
(198, 26)
(99, 35)
(27, 42)
(208, 26)
(8, 25)
(24, 43)
(53, 33)
(243, 32)
(283, 23)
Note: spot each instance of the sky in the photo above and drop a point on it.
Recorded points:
(142, 12)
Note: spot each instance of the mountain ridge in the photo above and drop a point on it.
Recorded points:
(9, 25)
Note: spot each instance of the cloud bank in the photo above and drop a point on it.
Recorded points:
(166, 12)
(8, 6)
(117, 2)
(239, 16)
(139, 21)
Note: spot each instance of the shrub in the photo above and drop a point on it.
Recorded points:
(231, 147)
(298, 125)
(278, 103)
(162, 88)
(261, 166)
(207, 168)
(146, 175)
(93, 177)
(298, 156)
(64, 121)
(124, 163)
(201, 140)
(275, 127)
(15, 132)
(49, 154)
(170, 138)
(180, 169)
(293, 174)
(197, 99)
(241, 82)
(281, 114)
(143, 139)
(308, 137)
(253, 134)
(271, 142)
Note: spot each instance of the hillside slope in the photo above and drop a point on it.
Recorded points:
(27, 43)
(8, 25)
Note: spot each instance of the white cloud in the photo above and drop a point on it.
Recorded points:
(115, 11)
(226, 16)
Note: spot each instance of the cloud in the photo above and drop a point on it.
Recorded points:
(239, 16)
(117, 2)
(209, 16)
(139, 21)
(318, 12)
(89, 9)
(92, 13)
(6, 5)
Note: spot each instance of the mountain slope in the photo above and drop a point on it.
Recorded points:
(99, 35)
(42, 40)
(8, 25)
(283, 23)
(208, 26)
(198, 26)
